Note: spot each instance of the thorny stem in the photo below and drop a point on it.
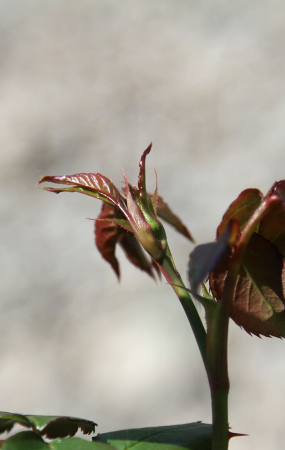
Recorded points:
(213, 345)
(217, 332)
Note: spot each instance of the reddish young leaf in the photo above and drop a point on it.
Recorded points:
(141, 180)
(241, 209)
(272, 227)
(93, 184)
(258, 303)
(145, 225)
(106, 236)
(165, 213)
(135, 253)
(277, 188)
(160, 208)
(134, 210)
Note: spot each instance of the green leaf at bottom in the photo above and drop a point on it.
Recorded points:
(77, 444)
(26, 440)
(29, 440)
(192, 436)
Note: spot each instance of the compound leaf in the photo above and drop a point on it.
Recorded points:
(258, 304)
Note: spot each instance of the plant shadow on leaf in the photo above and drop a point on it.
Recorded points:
(50, 426)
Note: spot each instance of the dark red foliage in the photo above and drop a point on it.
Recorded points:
(258, 304)
(108, 234)
(128, 218)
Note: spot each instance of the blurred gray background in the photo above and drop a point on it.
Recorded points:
(84, 87)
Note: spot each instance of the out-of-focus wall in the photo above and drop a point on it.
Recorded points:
(84, 87)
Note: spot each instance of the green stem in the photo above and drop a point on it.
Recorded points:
(173, 277)
(217, 331)
(220, 433)
(217, 370)
(213, 349)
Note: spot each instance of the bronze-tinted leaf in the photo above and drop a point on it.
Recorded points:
(165, 213)
(134, 252)
(241, 209)
(272, 227)
(258, 303)
(93, 184)
(106, 236)
(277, 188)
(162, 210)
(141, 179)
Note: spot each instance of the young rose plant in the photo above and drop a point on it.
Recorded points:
(127, 218)
(245, 270)
(244, 266)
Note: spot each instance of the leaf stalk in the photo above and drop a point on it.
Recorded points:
(173, 277)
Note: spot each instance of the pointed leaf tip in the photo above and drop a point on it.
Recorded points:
(144, 155)
(141, 179)
(93, 184)
(165, 213)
